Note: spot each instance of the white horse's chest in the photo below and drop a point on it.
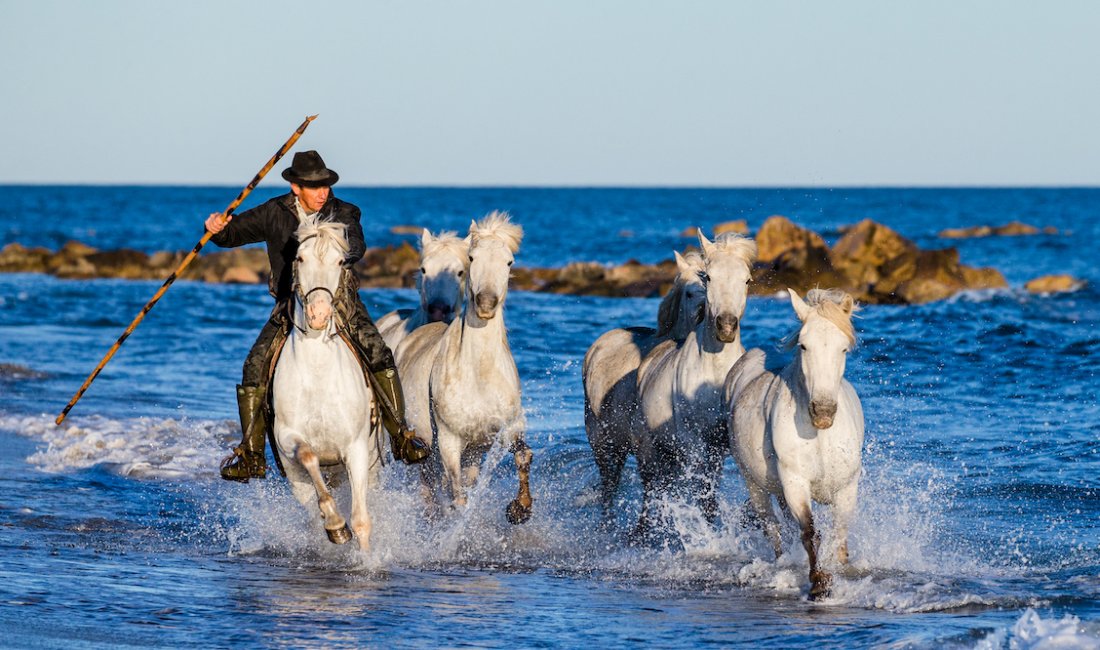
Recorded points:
(828, 459)
(478, 399)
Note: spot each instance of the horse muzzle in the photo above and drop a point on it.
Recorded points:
(318, 316)
(822, 413)
(485, 305)
(439, 312)
(725, 327)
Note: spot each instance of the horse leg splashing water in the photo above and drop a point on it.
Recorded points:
(610, 373)
(441, 283)
(683, 440)
(462, 382)
(322, 402)
(799, 434)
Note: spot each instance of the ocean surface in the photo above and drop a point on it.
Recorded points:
(978, 524)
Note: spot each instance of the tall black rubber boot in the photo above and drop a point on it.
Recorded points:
(248, 459)
(404, 443)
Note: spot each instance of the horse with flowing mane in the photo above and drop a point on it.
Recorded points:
(798, 434)
(324, 409)
(441, 283)
(683, 438)
(610, 373)
(461, 380)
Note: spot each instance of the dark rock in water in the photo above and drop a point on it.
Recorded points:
(792, 256)
(16, 258)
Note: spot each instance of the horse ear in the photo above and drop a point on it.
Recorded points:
(704, 243)
(473, 226)
(801, 309)
(681, 263)
(847, 304)
(425, 238)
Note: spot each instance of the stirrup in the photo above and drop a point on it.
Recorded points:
(409, 449)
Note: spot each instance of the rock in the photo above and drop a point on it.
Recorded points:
(391, 266)
(1054, 284)
(1014, 228)
(406, 230)
(121, 263)
(16, 258)
(76, 249)
(791, 256)
(862, 252)
(690, 231)
(240, 275)
(739, 226)
(964, 233)
(76, 269)
(1010, 229)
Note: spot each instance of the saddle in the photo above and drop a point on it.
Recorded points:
(276, 350)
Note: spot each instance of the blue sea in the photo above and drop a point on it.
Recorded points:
(978, 524)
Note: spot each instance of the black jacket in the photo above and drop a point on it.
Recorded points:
(275, 222)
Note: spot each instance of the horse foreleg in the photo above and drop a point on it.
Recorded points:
(519, 510)
(761, 503)
(844, 504)
(359, 474)
(450, 452)
(335, 525)
(798, 498)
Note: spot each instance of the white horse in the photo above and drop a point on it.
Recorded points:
(441, 284)
(460, 379)
(610, 372)
(323, 406)
(683, 439)
(799, 434)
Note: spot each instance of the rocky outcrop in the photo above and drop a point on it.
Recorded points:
(1010, 229)
(871, 261)
(1054, 284)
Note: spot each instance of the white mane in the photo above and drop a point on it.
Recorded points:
(830, 305)
(497, 225)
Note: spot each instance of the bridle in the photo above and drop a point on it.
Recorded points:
(303, 298)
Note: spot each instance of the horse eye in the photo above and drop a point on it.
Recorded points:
(471, 258)
(299, 259)
(801, 346)
(461, 273)
(510, 262)
(422, 271)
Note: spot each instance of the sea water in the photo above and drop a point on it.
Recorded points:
(978, 522)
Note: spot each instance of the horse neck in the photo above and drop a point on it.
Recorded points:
(482, 340)
(713, 354)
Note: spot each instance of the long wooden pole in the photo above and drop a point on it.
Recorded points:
(183, 265)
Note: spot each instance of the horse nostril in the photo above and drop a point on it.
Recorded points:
(727, 326)
(486, 302)
(822, 413)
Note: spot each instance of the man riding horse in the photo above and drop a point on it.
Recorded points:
(274, 222)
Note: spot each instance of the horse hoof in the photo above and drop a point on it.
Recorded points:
(339, 535)
(820, 583)
(518, 514)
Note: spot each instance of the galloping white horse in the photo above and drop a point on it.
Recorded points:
(441, 284)
(610, 372)
(799, 434)
(460, 379)
(683, 440)
(323, 405)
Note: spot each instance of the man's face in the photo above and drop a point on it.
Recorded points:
(311, 198)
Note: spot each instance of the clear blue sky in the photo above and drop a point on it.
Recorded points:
(554, 92)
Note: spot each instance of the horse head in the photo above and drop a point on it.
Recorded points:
(442, 279)
(727, 271)
(494, 242)
(824, 339)
(318, 267)
(683, 306)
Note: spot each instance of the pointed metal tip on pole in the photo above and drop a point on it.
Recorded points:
(311, 117)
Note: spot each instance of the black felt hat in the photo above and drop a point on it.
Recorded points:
(308, 170)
